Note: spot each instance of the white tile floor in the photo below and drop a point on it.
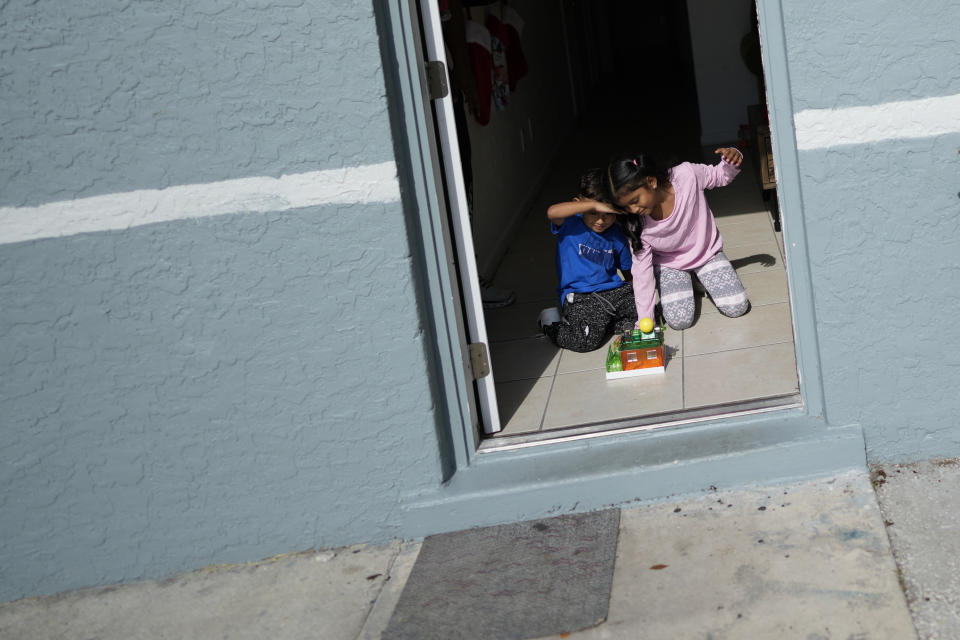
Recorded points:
(544, 391)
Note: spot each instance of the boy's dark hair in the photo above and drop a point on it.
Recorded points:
(592, 185)
(628, 172)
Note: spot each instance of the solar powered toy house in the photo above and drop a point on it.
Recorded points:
(636, 353)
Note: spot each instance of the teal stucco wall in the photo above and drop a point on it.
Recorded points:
(876, 94)
(211, 388)
(194, 383)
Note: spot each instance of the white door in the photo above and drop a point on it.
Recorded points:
(460, 217)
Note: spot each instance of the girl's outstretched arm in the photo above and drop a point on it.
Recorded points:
(563, 210)
(644, 282)
(731, 155)
(722, 173)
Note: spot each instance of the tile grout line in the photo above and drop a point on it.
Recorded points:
(715, 312)
(755, 346)
(546, 405)
(553, 383)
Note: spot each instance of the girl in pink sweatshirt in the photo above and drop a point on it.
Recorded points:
(673, 234)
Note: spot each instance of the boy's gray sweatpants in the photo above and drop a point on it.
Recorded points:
(592, 318)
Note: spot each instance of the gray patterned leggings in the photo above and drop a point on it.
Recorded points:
(717, 276)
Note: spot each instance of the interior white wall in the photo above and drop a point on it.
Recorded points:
(513, 152)
(724, 84)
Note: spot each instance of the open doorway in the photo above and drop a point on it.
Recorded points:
(605, 77)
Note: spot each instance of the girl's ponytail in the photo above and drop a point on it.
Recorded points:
(630, 171)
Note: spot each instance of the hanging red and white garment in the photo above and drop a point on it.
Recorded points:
(501, 70)
(516, 61)
(481, 65)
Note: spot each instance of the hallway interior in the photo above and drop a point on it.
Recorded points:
(718, 366)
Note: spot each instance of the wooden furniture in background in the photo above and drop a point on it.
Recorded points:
(763, 158)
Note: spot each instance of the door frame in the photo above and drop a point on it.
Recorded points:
(445, 148)
(417, 164)
(773, 50)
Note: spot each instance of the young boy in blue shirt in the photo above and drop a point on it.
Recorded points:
(595, 299)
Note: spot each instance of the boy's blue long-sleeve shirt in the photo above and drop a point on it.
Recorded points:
(588, 261)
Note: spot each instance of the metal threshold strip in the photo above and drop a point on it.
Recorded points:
(640, 423)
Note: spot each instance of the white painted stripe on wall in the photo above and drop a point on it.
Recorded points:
(375, 183)
(924, 118)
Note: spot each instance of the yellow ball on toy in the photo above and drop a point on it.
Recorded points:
(645, 325)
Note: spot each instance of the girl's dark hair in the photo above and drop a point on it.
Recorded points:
(628, 172)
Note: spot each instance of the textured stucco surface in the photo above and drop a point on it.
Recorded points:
(105, 96)
(228, 388)
(883, 258)
(882, 224)
(204, 390)
(865, 52)
(201, 393)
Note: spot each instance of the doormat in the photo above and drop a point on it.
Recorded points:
(509, 582)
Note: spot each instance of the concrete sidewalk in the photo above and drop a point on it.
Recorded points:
(804, 560)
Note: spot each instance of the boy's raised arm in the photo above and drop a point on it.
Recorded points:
(563, 210)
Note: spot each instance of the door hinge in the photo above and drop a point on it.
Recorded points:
(479, 363)
(437, 80)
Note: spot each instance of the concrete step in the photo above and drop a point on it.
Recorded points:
(808, 559)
